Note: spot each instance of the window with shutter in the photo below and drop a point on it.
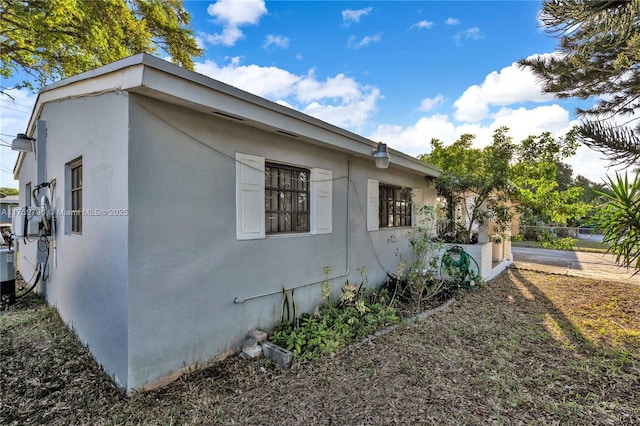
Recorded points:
(250, 170)
(321, 201)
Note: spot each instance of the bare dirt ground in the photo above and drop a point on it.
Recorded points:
(527, 348)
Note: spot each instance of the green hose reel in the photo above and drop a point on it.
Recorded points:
(459, 267)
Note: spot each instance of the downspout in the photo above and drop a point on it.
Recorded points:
(347, 255)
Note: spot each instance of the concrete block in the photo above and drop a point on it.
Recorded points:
(259, 335)
(278, 354)
(251, 350)
(249, 342)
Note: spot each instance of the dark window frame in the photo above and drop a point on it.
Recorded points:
(75, 195)
(290, 211)
(395, 206)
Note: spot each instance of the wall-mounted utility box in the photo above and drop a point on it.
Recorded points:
(8, 274)
(25, 221)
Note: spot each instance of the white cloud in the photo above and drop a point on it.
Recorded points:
(278, 41)
(268, 82)
(339, 100)
(231, 15)
(509, 86)
(353, 42)
(352, 114)
(415, 139)
(350, 16)
(229, 36)
(468, 34)
(521, 122)
(234, 12)
(422, 25)
(451, 21)
(526, 122)
(200, 40)
(15, 115)
(309, 89)
(428, 104)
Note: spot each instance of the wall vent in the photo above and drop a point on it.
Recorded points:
(233, 117)
(287, 133)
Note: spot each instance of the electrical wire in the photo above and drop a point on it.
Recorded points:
(363, 216)
(350, 182)
(231, 157)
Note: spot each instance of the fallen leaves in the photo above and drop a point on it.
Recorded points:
(491, 357)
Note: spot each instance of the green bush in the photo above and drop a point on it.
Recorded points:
(353, 317)
(566, 243)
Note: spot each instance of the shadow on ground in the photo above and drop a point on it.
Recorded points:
(512, 351)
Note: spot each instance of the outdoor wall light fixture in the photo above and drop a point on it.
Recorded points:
(381, 156)
(22, 143)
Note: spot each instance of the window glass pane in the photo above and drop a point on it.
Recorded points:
(286, 199)
(302, 202)
(75, 195)
(395, 206)
(271, 222)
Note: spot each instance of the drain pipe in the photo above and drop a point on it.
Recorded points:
(347, 257)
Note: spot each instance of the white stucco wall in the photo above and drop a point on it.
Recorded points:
(186, 266)
(88, 273)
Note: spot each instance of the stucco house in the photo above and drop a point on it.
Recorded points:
(7, 203)
(183, 206)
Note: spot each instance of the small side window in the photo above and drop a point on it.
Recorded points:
(27, 194)
(74, 195)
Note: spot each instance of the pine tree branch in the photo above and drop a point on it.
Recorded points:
(620, 144)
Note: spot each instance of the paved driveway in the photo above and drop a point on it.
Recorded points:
(577, 264)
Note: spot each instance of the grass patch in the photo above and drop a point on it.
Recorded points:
(526, 348)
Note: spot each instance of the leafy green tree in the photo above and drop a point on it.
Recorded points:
(619, 220)
(8, 191)
(591, 190)
(564, 175)
(599, 57)
(53, 39)
(473, 180)
(544, 187)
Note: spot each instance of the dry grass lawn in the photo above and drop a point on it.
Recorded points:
(527, 348)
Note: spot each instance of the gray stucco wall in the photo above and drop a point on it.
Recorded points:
(88, 273)
(186, 266)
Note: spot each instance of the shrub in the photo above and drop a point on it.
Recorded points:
(354, 316)
(566, 243)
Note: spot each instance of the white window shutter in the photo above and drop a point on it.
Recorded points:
(417, 203)
(373, 205)
(321, 201)
(249, 197)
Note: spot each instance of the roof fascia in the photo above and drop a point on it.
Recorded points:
(154, 77)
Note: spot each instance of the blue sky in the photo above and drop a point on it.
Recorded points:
(401, 72)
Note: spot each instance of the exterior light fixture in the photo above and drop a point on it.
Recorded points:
(22, 143)
(381, 156)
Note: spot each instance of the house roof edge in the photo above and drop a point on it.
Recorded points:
(126, 78)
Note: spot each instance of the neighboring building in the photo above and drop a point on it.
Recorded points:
(7, 203)
(185, 205)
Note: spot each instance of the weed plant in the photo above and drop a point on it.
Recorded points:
(356, 314)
